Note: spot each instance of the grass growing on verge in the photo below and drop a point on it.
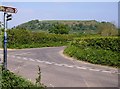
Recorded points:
(11, 81)
(93, 52)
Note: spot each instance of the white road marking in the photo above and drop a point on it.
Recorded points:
(24, 58)
(66, 65)
(81, 68)
(114, 72)
(48, 62)
(70, 66)
(39, 61)
(94, 69)
(106, 71)
(30, 59)
(58, 64)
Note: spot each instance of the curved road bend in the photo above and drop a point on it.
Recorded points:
(59, 70)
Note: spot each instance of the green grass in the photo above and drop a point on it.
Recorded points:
(96, 50)
(11, 81)
(95, 56)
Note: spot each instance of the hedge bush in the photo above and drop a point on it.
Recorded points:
(106, 43)
(20, 38)
(101, 50)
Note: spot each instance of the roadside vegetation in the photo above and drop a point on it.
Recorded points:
(99, 47)
(9, 80)
(90, 41)
(21, 38)
(96, 50)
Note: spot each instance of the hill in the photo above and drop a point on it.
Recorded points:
(74, 26)
(45, 25)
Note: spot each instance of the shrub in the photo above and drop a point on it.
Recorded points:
(20, 38)
(106, 43)
(101, 50)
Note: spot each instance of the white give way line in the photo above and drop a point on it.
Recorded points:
(66, 65)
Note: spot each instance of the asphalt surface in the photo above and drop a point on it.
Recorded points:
(58, 70)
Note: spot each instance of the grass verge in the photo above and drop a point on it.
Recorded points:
(11, 81)
(95, 56)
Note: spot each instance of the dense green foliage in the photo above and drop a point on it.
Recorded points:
(69, 26)
(74, 25)
(12, 81)
(101, 50)
(59, 29)
(20, 38)
(107, 29)
(106, 43)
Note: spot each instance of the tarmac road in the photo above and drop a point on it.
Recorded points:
(58, 70)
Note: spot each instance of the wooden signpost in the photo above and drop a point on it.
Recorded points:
(8, 9)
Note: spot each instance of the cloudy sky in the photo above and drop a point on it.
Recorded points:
(100, 11)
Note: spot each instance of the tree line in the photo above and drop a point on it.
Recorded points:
(66, 27)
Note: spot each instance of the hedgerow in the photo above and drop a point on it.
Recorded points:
(101, 50)
(106, 43)
(20, 38)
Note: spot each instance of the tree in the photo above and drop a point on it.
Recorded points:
(107, 29)
(59, 29)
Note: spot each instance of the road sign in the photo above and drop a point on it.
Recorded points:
(8, 9)
(9, 17)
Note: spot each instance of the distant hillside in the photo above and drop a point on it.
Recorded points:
(45, 25)
(90, 26)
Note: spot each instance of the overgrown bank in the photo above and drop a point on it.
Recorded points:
(100, 50)
(9, 80)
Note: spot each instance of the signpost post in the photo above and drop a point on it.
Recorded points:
(7, 17)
